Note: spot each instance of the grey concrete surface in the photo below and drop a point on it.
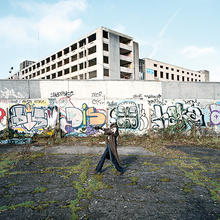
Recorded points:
(50, 186)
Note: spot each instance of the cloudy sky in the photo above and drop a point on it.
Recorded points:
(184, 33)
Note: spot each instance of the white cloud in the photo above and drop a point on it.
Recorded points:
(50, 22)
(194, 51)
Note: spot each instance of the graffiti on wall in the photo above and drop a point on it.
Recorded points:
(31, 119)
(35, 116)
(3, 119)
(215, 114)
(171, 115)
(81, 121)
(129, 115)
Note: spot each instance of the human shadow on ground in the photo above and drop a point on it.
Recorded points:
(125, 163)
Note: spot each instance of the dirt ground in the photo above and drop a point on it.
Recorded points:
(35, 185)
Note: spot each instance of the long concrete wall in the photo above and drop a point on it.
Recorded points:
(32, 107)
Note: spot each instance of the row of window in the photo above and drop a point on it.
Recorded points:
(89, 75)
(63, 62)
(172, 69)
(172, 77)
(74, 68)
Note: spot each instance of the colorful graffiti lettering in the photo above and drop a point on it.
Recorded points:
(190, 116)
(30, 119)
(2, 114)
(3, 119)
(127, 115)
(214, 114)
(74, 119)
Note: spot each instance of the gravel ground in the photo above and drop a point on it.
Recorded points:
(63, 186)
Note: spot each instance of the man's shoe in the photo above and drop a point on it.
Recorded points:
(96, 172)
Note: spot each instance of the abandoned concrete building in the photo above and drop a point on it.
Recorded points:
(104, 54)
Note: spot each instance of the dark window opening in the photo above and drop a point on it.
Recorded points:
(92, 74)
(155, 73)
(59, 64)
(53, 57)
(74, 57)
(105, 47)
(59, 54)
(161, 66)
(43, 71)
(38, 65)
(53, 75)
(48, 69)
(178, 77)
(188, 79)
(92, 38)
(81, 66)
(81, 54)
(38, 73)
(48, 60)
(92, 50)
(183, 78)
(124, 40)
(60, 73)
(155, 65)
(66, 61)
(161, 74)
(105, 59)
(66, 51)
(106, 72)
(81, 76)
(42, 62)
(74, 68)
(167, 75)
(82, 42)
(172, 76)
(66, 71)
(74, 47)
(182, 71)
(53, 66)
(92, 62)
(172, 69)
(48, 77)
(167, 67)
(177, 70)
(105, 34)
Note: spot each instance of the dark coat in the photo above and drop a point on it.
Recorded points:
(111, 139)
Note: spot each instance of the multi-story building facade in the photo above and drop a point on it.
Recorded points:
(156, 70)
(102, 54)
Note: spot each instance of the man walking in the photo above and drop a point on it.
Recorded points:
(111, 147)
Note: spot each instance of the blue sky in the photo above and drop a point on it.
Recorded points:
(184, 33)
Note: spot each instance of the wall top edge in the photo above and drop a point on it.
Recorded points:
(114, 80)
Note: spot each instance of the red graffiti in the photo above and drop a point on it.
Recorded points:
(2, 114)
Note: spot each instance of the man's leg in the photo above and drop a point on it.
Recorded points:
(102, 160)
(115, 162)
